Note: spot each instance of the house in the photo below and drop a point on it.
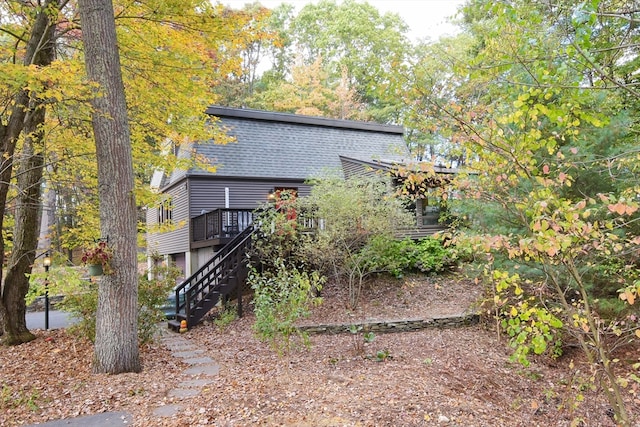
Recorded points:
(273, 151)
(202, 225)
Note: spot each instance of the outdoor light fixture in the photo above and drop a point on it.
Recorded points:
(47, 263)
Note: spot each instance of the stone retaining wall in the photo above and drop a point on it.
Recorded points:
(384, 326)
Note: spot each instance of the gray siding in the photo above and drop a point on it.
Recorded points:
(354, 169)
(208, 193)
(176, 240)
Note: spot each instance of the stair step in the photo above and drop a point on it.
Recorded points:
(218, 288)
(174, 325)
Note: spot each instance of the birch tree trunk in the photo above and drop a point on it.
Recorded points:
(116, 347)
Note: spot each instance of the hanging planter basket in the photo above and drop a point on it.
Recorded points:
(95, 270)
(97, 259)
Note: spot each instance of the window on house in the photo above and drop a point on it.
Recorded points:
(165, 212)
(431, 209)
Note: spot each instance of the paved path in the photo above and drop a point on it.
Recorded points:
(57, 319)
(106, 419)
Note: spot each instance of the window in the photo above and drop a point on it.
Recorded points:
(165, 212)
(431, 209)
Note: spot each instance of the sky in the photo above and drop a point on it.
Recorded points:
(425, 18)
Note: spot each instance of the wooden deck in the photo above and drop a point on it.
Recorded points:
(219, 226)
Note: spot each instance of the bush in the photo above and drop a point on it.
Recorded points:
(433, 256)
(62, 280)
(354, 212)
(278, 237)
(152, 295)
(395, 257)
(280, 299)
(82, 303)
(398, 257)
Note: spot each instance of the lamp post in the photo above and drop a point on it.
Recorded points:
(47, 263)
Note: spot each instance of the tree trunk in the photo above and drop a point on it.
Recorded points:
(27, 115)
(116, 346)
(26, 229)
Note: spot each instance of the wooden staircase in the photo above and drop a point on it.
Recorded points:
(222, 278)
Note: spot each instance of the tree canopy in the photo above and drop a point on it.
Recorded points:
(543, 106)
(172, 55)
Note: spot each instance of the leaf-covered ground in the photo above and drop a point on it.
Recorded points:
(452, 377)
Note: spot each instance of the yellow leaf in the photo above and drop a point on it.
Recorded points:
(630, 297)
(514, 312)
(638, 333)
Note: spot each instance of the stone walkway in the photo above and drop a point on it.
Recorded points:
(200, 373)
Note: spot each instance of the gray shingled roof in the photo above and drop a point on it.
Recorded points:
(280, 145)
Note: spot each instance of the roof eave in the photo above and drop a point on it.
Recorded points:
(271, 116)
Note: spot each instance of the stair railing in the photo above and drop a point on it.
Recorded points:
(221, 275)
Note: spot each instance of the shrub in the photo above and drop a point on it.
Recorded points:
(397, 257)
(278, 237)
(152, 295)
(280, 299)
(432, 256)
(354, 212)
(82, 303)
(62, 280)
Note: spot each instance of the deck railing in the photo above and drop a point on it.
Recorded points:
(220, 223)
(223, 224)
(222, 277)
